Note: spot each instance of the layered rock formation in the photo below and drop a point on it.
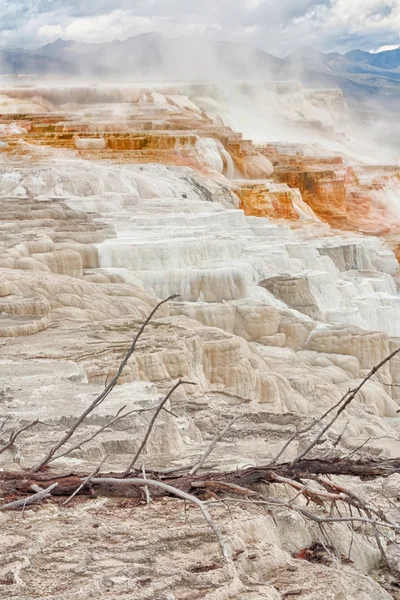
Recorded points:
(350, 197)
(114, 198)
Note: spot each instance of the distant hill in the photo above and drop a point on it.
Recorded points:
(17, 61)
(357, 73)
(150, 56)
(388, 59)
(366, 79)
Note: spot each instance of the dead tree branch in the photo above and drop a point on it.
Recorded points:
(2, 426)
(103, 395)
(152, 422)
(211, 447)
(365, 520)
(345, 401)
(95, 472)
(118, 417)
(19, 483)
(145, 488)
(309, 427)
(15, 434)
(341, 405)
(30, 499)
(360, 447)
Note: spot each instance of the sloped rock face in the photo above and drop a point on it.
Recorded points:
(347, 196)
(323, 190)
(113, 199)
(267, 200)
(295, 292)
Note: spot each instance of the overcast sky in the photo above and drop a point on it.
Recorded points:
(278, 26)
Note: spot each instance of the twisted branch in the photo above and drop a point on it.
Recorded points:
(103, 395)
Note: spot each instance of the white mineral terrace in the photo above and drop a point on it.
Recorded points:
(171, 239)
(108, 207)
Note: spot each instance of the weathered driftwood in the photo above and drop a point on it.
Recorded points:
(20, 483)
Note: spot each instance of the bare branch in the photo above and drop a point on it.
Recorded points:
(353, 500)
(103, 395)
(289, 441)
(311, 516)
(308, 492)
(212, 446)
(4, 423)
(118, 417)
(379, 542)
(348, 398)
(223, 486)
(15, 434)
(87, 480)
(330, 545)
(309, 427)
(366, 520)
(146, 489)
(30, 499)
(360, 447)
(301, 491)
(340, 436)
(152, 422)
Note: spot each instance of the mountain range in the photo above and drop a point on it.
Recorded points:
(367, 79)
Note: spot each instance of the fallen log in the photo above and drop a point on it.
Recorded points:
(20, 483)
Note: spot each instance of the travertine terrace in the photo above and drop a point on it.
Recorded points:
(284, 259)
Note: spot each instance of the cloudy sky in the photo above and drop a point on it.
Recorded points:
(278, 26)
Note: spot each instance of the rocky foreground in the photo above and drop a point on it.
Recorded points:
(283, 257)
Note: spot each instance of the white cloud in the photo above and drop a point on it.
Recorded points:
(278, 26)
(385, 48)
(106, 27)
(50, 32)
